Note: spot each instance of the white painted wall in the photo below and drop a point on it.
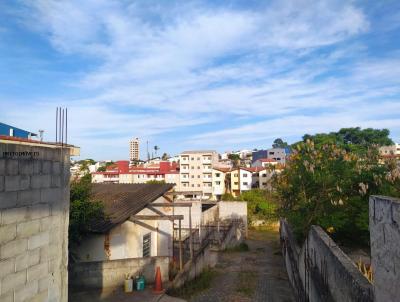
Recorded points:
(126, 240)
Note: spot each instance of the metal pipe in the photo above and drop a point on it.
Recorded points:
(56, 124)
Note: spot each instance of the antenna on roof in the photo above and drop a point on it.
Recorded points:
(41, 135)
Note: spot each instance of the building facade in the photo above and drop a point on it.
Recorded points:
(134, 145)
(196, 171)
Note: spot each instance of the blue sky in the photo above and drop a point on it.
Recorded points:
(199, 75)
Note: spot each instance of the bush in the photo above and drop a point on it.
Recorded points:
(260, 205)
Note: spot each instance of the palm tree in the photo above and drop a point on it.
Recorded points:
(156, 148)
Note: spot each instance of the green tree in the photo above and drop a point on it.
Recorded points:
(329, 184)
(83, 212)
(279, 143)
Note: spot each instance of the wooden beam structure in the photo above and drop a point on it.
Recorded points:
(175, 204)
(156, 217)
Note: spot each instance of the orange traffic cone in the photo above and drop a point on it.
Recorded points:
(158, 289)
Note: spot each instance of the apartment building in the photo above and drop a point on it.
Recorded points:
(219, 182)
(196, 171)
(134, 146)
(278, 154)
(241, 179)
(390, 151)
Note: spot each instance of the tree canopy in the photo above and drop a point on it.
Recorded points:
(328, 184)
(354, 139)
(279, 143)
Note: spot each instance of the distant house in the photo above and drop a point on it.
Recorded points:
(120, 235)
(264, 162)
(8, 130)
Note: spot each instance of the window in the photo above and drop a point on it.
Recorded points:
(192, 185)
(198, 185)
(264, 175)
(198, 176)
(217, 174)
(264, 183)
(192, 176)
(198, 158)
(244, 174)
(11, 132)
(245, 183)
(236, 183)
(147, 245)
(236, 175)
(217, 182)
(192, 167)
(192, 158)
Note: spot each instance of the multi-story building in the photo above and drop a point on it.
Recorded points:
(241, 179)
(134, 149)
(390, 151)
(278, 154)
(122, 173)
(196, 171)
(219, 185)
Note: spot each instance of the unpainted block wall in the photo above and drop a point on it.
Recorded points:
(384, 225)
(34, 208)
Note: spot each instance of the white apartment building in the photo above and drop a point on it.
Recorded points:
(241, 180)
(218, 182)
(134, 149)
(196, 171)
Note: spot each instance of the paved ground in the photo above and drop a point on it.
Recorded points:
(255, 275)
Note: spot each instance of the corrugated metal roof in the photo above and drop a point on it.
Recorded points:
(123, 200)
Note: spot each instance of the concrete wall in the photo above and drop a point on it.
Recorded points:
(207, 257)
(102, 274)
(126, 240)
(384, 225)
(233, 210)
(325, 271)
(34, 211)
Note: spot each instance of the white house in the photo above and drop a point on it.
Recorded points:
(120, 237)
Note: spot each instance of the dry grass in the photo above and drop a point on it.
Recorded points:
(246, 283)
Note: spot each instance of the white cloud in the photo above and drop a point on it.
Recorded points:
(172, 66)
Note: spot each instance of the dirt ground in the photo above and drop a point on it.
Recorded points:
(254, 275)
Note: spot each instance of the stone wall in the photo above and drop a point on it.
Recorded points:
(34, 211)
(384, 224)
(103, 274)
(320, 270)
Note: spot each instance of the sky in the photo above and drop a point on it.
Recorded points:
(223, 75)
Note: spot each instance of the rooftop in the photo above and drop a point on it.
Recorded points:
(198, 151)
(123, 200)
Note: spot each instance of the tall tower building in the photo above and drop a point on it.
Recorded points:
(134, 149)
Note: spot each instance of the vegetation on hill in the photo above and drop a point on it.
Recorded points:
(153, 181)
(328, 181)
(261, 205)
(82, 210)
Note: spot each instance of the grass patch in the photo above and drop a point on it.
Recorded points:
(195, 286)
(242, 247)
(246, 283)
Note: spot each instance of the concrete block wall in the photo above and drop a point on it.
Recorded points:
(111, 273)
(34, 211)
(384, 225)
